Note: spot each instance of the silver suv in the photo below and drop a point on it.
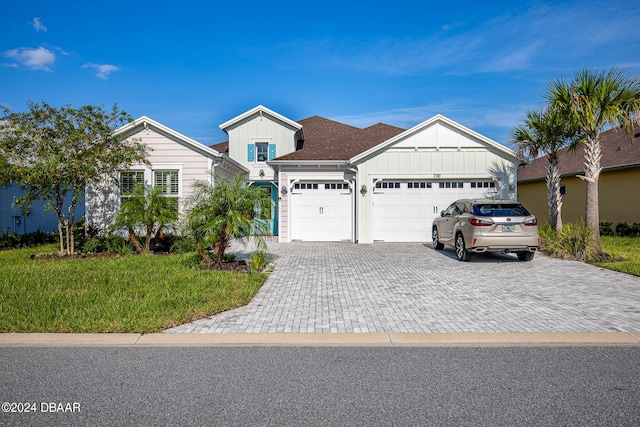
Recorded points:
(487, 225)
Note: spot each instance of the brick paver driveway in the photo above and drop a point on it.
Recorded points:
(406, 287)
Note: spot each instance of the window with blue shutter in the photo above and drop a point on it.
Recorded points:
(251, 153)
(272, 151)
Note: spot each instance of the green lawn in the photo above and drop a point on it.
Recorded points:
(130, 294)
(622, 247)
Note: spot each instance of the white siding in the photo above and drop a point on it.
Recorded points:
(438, 151)
(166, 152)
(260, 128)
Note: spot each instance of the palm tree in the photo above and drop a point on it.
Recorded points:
(145, 208)
(547, 132)
(228, 210)
(595, 100)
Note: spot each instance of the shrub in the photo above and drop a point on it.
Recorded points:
(229, 257)
(27, 240)
(605, 228)
(118, 244)
(574, 241)
(93, 245)
(93, 230)
(258, 261)
(625, 230)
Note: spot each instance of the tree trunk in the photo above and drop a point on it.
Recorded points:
(553, 194)
(592, 156)
(135, 242)
(219, 247)
(205, 256)
(147, 237)
(61, 236)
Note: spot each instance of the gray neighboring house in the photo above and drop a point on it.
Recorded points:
(20, 221)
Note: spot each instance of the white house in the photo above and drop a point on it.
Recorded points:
(175, 162)
(336, 182)
(331, 181)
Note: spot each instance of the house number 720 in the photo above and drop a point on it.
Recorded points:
(437, 175)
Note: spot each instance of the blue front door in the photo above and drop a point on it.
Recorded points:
(270, 218)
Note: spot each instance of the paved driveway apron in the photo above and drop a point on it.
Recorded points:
(410, 287)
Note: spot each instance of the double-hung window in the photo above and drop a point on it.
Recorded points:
(168, 180)
(128, 180)
(262, 151)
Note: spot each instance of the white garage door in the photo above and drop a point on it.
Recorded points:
(404, 210)
(321, 211)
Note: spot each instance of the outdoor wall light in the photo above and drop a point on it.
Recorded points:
(261, 173)
(363, 189)
(283, 190)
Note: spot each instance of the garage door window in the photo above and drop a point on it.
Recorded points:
(387, 185)
(450, 184)
(483, 184)
(306, 186)
(336, 186)
(422, 184)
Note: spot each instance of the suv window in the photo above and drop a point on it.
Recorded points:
(450, 210)
(494, 210)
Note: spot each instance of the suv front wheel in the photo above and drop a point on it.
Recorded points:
(461, 249)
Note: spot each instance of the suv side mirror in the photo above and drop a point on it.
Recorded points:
(441, 213)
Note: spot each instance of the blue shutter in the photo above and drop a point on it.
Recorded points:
(251, 156)
(272, 151)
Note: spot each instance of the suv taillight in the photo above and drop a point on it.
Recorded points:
(531, 222)
(480, 223)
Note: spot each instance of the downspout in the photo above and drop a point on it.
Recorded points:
(213, 170)
(356, 205)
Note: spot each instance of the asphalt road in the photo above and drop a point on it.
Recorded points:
(370, 386)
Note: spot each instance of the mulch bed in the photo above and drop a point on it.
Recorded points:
(231, 266)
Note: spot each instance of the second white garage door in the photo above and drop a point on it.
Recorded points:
(321, 211)
(404, 210)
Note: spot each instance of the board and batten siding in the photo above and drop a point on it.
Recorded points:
(260, 128)
(283, 208)
(437, 152)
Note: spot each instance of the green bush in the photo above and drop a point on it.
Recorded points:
(574, 241)
(605, 228)
(625, 230)
(229, 257)
(93, 245)
(27, 240)
(258, 261)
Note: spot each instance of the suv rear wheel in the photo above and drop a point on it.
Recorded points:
(461, 249)
(525, 256)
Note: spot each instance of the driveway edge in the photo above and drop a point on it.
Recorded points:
(504, 339)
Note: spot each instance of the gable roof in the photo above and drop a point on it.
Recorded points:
(326, 139)
(221, 147)
(619, 149)
(260, 109)
(145, 121)
(435, 119)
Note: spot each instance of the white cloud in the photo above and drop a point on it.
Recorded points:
(36, 59)
(103, 69)
(39, 26)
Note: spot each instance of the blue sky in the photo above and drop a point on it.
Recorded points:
(194, 65)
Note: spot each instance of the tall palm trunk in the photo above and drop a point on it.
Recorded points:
(553, 194)
(592, 157)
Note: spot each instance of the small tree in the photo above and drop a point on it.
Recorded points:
(146, 208)
(593, 101)
(222, 212)
(546, 132)
(54, 153)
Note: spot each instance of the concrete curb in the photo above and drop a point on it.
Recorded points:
(506, 339)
